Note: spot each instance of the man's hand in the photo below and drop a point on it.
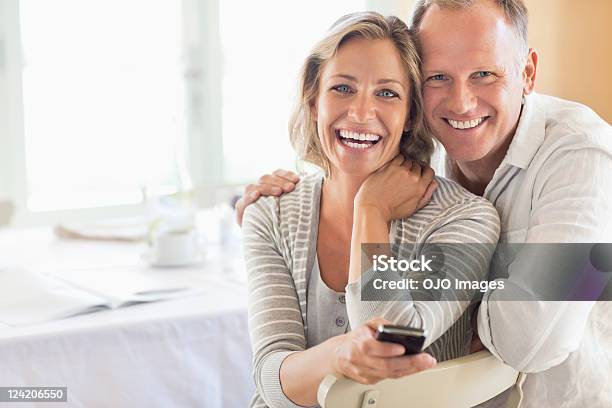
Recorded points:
(275, 184)
(364, 359)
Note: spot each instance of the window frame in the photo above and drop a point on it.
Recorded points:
(202, 73)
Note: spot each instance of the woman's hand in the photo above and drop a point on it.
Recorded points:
(364, 359)
(397, 190)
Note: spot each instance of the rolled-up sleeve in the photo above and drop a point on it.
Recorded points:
(571, 204)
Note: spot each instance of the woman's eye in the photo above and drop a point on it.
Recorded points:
(342, 88)
(387, 93)
(437, 77)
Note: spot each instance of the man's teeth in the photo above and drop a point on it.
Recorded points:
(468, 124)
(347, 134)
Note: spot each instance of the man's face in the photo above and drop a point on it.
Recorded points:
(473, 87)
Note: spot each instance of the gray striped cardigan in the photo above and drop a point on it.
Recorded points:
(280, 236)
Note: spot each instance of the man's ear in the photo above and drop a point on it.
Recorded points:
(530, 71)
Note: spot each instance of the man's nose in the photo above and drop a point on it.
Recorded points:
(461, 100)
(362, 109)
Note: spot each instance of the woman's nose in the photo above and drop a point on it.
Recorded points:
(362, 109)
(461, 99)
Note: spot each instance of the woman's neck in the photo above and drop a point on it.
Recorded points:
(337, 197)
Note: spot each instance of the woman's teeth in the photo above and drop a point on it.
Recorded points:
(358, 140)
(468, 124)
(357, 145)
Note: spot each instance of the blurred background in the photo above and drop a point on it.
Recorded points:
(102, 102)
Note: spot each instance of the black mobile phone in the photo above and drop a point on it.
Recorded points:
(412, 339)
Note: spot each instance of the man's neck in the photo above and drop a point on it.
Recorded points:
(476, 175)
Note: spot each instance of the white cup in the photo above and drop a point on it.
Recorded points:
(174, 248)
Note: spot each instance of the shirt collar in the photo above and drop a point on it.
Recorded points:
(529, 133)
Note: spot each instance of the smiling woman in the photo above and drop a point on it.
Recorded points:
(359, 118)
(349, 83)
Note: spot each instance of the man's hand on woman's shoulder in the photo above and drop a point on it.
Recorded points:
(275, 184)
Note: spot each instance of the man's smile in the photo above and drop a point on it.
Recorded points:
(466, 124)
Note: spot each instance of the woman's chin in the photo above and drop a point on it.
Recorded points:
(360, 170)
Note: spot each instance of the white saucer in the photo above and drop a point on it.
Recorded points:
(197, 259)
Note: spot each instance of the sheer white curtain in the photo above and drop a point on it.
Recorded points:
(102, 99)
(99, 96)
(263, 46)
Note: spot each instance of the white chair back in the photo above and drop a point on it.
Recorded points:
(460, 383)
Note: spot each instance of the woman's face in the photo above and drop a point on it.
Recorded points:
(362, 106)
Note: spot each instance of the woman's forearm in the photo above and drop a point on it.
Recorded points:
(369, 226)
(302, 372)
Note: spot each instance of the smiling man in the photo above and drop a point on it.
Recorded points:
(477, 70)
(544, 163)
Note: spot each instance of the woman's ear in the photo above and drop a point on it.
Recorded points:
(314, 110)
(407, 126)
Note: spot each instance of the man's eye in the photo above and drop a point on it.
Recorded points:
(438, 77)
(387, 93)
(483, 74)
(342, 88)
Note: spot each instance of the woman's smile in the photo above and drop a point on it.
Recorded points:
(358, 140)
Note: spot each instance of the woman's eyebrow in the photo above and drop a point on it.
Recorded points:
(379, 82)
(344, 76)
(389, 80)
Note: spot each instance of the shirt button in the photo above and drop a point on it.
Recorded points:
(342, 299)
(340, 322)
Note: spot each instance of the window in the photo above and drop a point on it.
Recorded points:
(102, 99)
(263, 49)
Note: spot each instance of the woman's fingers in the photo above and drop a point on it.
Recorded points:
(377, 368)
(368, 360)
(427, 174)
(416, 168)
(431, 188)
(377, 321)
(398, 160)
(407, 365)
(374, 348)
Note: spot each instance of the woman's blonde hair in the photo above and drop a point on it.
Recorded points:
(417, 143)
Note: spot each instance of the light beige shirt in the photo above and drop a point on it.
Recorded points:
(553, 186)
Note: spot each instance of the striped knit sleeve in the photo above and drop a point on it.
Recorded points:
(275, 320)
(466, 233)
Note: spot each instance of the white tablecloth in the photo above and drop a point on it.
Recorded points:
(190, 352)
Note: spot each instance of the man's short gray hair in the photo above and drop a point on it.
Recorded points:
(515, 12)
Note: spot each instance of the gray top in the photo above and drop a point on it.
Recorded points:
(326, 315)
(280, 237)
